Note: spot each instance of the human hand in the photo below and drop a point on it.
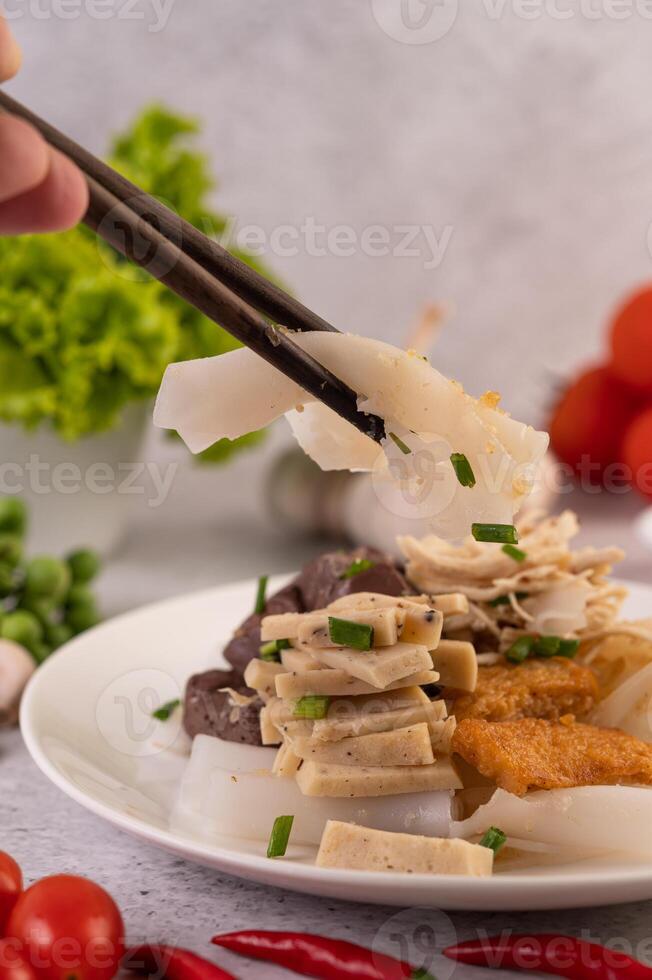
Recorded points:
(40, 189)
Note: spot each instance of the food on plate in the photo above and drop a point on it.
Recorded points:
(230, 789)
(629, 706)
(578, 820)
(357, 649)
(545, 589)
(613, 659)
(371, 706)
(346, 845)
(537, 688)
(321, 582)
(533, 753)
(458, 459)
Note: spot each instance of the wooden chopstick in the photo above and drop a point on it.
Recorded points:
(170, 249)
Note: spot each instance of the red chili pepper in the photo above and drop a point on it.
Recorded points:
(563, 956)
(172, 963)
(318, 956)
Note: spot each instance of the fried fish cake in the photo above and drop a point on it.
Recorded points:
(533, 753)
(536, 688)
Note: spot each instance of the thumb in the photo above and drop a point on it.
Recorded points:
(10, 54)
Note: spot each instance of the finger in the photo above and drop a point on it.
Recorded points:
(10, 54)
(24, 157)
(58, 203)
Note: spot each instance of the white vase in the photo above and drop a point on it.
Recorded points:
(76, 492)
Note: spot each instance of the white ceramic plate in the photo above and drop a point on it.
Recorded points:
(86, 719)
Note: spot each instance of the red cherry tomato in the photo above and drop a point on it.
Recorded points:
(70, 927)
(637, 451)
(13, 965)
(588, 423)
(631, 342)
(11, 885)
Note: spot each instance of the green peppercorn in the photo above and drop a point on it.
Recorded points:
(41, 651)
(80, 595)
(22, 627)
(84, 565)
(7, 580)
(42, 607)
(11, 549)
(47, 577)
(82, 617)
(13, 515)
(56, 634)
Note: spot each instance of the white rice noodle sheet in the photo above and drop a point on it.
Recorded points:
(333, 443)
(585, 818)
(629, 707)
(234, 393)
(560, 610)
(229, 790)
(213, 398)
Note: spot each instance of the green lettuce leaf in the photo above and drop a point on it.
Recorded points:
(82, 332)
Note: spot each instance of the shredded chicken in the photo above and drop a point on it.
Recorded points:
(536, 754)
(535, 689)
(553, 591)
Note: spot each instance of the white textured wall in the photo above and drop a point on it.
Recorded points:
(532, 139)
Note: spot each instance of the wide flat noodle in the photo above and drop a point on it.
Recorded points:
(229, 789)
(601, 818)
(629, 707)
(232, 394)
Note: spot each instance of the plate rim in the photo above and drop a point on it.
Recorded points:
(290, 874)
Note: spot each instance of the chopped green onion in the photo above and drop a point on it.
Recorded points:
(555, 646)
(313, 706)
(514, 553)
(504, 600)
(568, 648)
(463, 469)
(279, 837)
(520, 650)
(494, 839)
(164, 712)
(399, 442)
(358, 565)
(270, 651)
(501, 533)
(344, 633)
(261, 594)
(547, 646)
